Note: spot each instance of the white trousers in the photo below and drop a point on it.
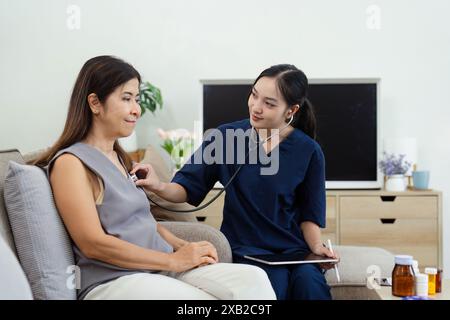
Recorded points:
(224, 281)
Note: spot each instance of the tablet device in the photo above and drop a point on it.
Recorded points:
(290, 258)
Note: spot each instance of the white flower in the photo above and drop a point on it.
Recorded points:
(179, 133)
(178, 143)
(162, 133)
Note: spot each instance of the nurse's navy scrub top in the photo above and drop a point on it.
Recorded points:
(262, 213)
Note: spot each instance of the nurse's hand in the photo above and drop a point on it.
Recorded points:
(193, 254)
(147, 177)
(321, 250)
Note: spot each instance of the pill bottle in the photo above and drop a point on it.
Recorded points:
(431, 272)
(403, 276)
(439, 281)
(421, 285)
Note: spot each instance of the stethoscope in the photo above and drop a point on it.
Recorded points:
(234, 174)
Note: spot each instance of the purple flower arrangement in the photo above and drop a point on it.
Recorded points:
(392, 164)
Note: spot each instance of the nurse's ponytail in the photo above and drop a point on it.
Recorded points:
(305, 119)
(293, 85)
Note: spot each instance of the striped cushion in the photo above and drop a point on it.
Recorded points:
(42, 243)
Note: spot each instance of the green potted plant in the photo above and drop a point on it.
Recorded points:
(150, 97)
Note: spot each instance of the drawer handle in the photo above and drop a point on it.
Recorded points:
(388, 198)
(387, 221)
(201, 219)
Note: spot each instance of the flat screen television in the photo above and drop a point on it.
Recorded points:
(347, 112)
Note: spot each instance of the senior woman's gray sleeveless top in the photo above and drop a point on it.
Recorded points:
(124, 213)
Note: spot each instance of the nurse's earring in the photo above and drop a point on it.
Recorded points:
(291, 115)
(290, 119)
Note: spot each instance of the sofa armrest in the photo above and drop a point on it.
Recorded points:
(193, 231)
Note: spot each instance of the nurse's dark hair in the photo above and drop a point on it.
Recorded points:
(293, 85)
(100, 75)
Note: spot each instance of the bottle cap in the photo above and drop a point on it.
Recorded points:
(404, 260)
(421, 278)
(430, 270)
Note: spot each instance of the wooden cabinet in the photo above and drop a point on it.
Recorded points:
(402, 222)
(330, 231)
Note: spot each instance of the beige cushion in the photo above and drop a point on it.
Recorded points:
(357, 263)
(153, 157)
(27, 157)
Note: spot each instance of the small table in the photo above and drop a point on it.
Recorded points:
(385, 293)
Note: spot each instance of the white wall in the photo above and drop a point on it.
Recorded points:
(174, 43)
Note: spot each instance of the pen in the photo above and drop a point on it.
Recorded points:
(335, 266)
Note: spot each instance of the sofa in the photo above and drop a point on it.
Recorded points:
(23, 270)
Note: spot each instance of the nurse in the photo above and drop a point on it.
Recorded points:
(266, 213)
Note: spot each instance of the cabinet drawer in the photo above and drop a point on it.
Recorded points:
(330, 227)
(331, 207)
(421, 207)
(331, 217)
(416, 237)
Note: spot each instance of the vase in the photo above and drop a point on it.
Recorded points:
(395, 182)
